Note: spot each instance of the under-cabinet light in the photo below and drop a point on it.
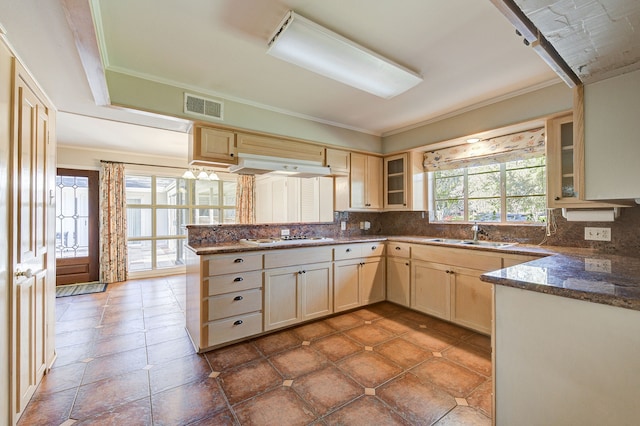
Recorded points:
(304, 43)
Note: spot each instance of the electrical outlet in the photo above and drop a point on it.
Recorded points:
(284, 232)
(597, 265)
(343, 225)
(597, 234)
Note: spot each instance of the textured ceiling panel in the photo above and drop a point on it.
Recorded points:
(597, 38)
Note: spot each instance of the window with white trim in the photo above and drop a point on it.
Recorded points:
(509, 192)
(500, 180)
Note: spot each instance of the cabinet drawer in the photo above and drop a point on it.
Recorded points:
(347, 251)
(355, 251)
(232, 304)
(220, 284)
(457, 257)
(297, 256)
(398, 249)
(233, 328)
(230, 264)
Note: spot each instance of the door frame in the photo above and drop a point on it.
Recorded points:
(93, 225)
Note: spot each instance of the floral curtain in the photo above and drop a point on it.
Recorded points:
(245, 199)
(516, 146)
(113, 223)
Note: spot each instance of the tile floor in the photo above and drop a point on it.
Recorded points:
(124, 358)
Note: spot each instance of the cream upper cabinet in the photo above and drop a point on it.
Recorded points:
(611, 129)
(566, 160)
(272, 146)
(338, 160)
(212, 146)
(404, 182)
(366, 182)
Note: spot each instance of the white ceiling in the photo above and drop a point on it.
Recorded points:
(466, 50)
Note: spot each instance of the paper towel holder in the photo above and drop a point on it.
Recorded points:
(598, 214)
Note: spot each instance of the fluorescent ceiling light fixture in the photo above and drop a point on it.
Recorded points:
(304, 43)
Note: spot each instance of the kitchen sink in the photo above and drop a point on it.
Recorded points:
(491, 244)
(270, 242)
(444, 240)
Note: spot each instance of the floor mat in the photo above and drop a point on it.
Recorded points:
(77, 289)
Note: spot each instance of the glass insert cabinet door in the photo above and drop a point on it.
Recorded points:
(76, 226)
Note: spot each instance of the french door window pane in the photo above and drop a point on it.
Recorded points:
(169, 253)
(229, 195)
(139, 222)
(207, 193)
(171, 191)
(229, 216)
(138, 189)
(139, 253)
(170, 222)
(206, 216)
(72, 216)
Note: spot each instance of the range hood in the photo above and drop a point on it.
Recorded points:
(249, 164)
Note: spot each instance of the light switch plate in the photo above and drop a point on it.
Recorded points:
(597, 234)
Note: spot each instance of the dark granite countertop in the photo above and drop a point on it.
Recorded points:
(582, 274)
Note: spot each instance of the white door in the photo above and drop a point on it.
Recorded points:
(33, 259)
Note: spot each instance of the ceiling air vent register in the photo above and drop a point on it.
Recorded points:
(197, 105)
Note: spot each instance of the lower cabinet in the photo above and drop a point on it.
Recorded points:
(471, 300)
(431, 289)
(445, 288)
(399, 273)
(358, 282)
(297, 293)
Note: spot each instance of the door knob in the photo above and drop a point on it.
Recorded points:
(28, 273)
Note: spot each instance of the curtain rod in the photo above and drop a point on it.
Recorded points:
(143, 164)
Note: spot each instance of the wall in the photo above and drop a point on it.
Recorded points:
(518, 109)
(5, 318)
(133, 92)
(89, 159)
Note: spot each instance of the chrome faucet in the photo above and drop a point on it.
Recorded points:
(475, 228)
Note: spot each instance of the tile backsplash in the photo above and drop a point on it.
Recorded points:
(625, 231)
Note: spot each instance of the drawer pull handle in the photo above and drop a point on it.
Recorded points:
(238, 279)
(398, 248)
(348, 250)
(238, 298)
(239, 322)
(238, 261)
(374, 247)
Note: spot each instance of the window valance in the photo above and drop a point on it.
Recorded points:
(516, 146)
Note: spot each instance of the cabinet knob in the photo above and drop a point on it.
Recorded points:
(374, 247)
(557, 198)
(238, 298)
(238, 279)
(231, 155)
(407, 263)
(238, 261)
(239, 322)
(348, 250)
